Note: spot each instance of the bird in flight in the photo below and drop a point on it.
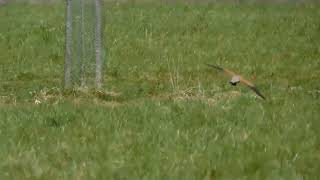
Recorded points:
(235, 79)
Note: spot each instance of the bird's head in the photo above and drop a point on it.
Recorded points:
(235, 80)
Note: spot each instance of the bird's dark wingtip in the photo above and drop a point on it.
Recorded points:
(214, 66)
(258, 92)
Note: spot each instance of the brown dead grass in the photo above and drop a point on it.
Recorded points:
(191, 96)
(78, 97)
(110, 99)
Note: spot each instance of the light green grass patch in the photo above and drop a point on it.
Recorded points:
(163, 114)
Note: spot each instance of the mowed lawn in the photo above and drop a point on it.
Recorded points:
(162, 113)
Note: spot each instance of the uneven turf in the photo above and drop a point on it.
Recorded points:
(162, 113)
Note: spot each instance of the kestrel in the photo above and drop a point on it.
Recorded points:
(235, 79)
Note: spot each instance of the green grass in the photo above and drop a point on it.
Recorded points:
(163, 114)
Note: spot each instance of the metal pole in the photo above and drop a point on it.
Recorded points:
(82, 49)
(68, 44)
(98, 44)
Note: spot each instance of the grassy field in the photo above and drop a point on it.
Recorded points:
(163, 114)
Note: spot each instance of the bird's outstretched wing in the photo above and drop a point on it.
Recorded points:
(255, 89)
(242, 80)
(252, 87)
